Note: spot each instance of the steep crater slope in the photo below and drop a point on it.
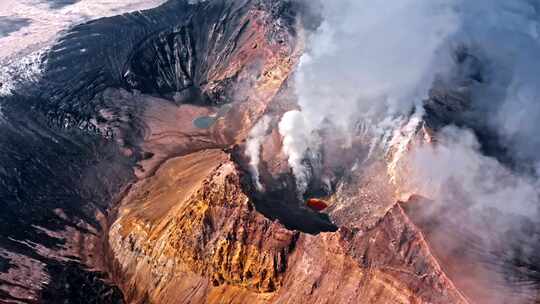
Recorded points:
(191, 228)
(211, 245)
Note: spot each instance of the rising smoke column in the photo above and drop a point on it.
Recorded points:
(253, 148)
(298, 137)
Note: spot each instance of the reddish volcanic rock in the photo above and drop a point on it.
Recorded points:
(191, 232)
(389, 263)
(193, 220)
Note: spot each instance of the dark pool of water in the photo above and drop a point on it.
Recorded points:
(204, 122)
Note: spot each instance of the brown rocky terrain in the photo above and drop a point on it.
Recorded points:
(191, 233)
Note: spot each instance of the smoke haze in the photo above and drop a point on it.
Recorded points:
(366, 62)
(374, 63)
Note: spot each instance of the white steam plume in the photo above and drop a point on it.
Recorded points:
(253, 148)
(298, 138)
(367, 61)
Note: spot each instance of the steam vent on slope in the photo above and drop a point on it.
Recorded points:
(269, 151)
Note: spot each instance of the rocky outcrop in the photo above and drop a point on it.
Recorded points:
(191, 233)
(193, 217)
(388, 263)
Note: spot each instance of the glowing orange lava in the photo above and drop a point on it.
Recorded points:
(316, 204)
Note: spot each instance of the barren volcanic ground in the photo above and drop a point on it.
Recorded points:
(124, 177)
